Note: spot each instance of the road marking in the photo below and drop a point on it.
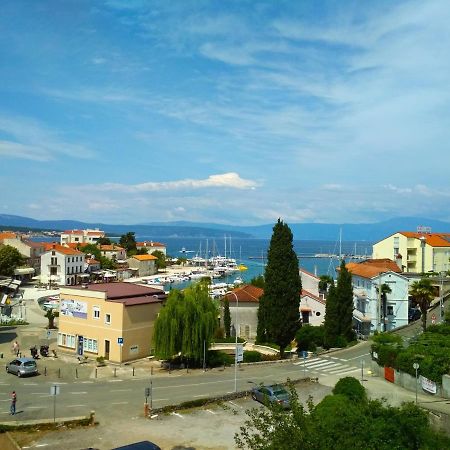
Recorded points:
(331, 366)
(7, 400)
(321, 364)
(57, 382)
(178, 415)
(119, 403)
(196, 396)
(30, 384)
(38, 393)
(211, 412)
(234, 404)
(307, 361)
(121, 390)
(86, 382)
(357, 357)
(75, 406)
(78, 392)
(41, 445)
(35, 407)
(113, 381)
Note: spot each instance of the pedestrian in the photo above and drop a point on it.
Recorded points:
(13, 403)
(16, 349)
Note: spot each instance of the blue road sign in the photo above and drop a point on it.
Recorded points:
(120, 341)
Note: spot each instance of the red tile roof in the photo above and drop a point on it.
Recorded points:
(432, 239)
(246, 293)
(149, 244)
(110, 248)
(73, 232)
(61, 249)
(315, 297)
(372, 267)
(145, 257)
(7, 235)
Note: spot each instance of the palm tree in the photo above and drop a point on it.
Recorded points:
(385, 289)
(422, 293)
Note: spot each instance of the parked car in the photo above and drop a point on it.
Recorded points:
(414, 314)
(22, 366)
(273, 394)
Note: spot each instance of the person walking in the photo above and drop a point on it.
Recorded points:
(13, 403)
(16, 349)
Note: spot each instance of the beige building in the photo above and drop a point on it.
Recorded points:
(81, 236)
(152, 246)
(113, 251)
(96, 318)
(146, 264)
(416, 252)
(30, 250)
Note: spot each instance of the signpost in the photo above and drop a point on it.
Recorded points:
(433, 318)
(305, 355)
(54, 391)
(80, 345)
(120, 342)
(239, 353)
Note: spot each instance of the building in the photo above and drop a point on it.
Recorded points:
(244, 301)
(373, 311)
(62, 265)
(152, 246)
(91, 265)
(113, 320)
(146, 264)
(113, 251)
(416, 252)
(81, 236)
(7, 235)
(312, 301)
(30, 250)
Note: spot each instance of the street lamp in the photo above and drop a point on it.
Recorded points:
(441, 300)
(423, 241)
(416, 368)
(236, 328)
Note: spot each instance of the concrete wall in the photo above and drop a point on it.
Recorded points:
(446, 386)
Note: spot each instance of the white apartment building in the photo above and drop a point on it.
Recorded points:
(88, 236)
(312, 302)
(373, 311)
(62, 265)
(152, 246)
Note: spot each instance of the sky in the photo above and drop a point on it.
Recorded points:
(232, 112)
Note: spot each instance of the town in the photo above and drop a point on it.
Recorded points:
(92, 309)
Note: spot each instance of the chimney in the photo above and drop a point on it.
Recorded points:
(398, 260)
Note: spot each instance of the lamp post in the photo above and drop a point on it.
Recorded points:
(423, 241)
(416, 368)
(236, 328)
(441, 299)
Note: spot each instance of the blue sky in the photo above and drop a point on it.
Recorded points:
(236, 112)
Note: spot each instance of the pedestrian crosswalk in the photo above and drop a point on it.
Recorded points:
(326, 366)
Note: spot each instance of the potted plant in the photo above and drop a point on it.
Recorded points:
(101, 361)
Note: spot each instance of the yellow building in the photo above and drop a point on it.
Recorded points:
(113, 320)
(416, 252)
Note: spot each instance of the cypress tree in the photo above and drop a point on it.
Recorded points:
(226, 317)
(344, 291)
(278, 314)
(331, 324)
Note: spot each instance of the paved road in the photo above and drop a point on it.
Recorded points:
(118, 396)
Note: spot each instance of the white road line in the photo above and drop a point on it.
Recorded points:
(158, 399)
(78, 392)
(234, 404)
(211, 412)
(178, 415)
(307, 361)
(119, 403)
(38, 393)
(86, 382)
(30, 384)
(196, 396)
(339, 359)
(41, 445)
(332, 366)
(57, 382)
(35, 407)
(113, 381)
(357, 357)
(7, 400)
(75, 406)
(121, 390)
(321, 364)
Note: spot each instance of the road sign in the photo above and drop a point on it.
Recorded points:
(433, 319)
(120, 341)
(49, 333)
(416, 366)
(80, 345)
(54, 390)
(304, 354)
(239, 353)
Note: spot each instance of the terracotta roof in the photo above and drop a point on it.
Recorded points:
(95, 233)
(144, 257)
(33, 244)
(92, 261)
(306, 293)
(432, 239)
(73, 232)
(110, 248)
(246, 293)
(7, 235)
(149, 244)
(127, 293)
(372, 267)
(61, 249)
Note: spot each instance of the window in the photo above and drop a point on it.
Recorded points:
(108, 318)
(90, 345)
(66, 340)
(390, 310)
(96, 312)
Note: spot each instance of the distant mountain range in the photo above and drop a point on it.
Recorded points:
(306, 231)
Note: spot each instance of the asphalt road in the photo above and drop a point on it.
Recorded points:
(118, 397)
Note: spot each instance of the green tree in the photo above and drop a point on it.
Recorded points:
(279, 319)
(104, 241)
(10, 259)
(106, 263)
(227, 317)
(324, 282)
(142, 251)
(344, 292)
(422, 293)
(188, 319)
(258, 281)
(351, 388)
(161, 259)
(331, 323)
(91, 249)
(309, 337)
(385, 290)
(51, 316)
(128, 242)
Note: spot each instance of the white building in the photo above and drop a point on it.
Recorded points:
(113, 251)
(372, 311)
(152, 246)
(312, 302)
(62, 265)
(81, 236)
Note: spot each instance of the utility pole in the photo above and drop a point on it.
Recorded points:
(379, 305)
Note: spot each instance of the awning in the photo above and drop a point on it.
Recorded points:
(305, 309)
(361, 317)
(24, 271)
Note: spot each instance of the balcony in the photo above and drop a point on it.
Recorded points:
(360, 293)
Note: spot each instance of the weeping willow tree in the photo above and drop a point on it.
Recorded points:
(187, 321)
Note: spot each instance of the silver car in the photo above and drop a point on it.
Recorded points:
(22, 366)
(273, 394)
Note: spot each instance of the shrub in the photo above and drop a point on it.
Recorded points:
(309, 338)
(351, 388)
(252, 356)
(217, 358)
(219, 334)
(228, 340)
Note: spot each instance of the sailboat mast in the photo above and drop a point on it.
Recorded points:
(340, 244)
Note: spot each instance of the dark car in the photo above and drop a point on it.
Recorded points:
(22, 366)
(143, 445)
(273, 394)
(414, 314)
